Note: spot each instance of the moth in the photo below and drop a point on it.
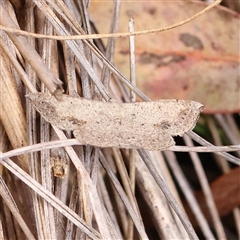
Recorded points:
(148, 125)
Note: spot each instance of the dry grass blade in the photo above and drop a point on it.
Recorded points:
(131, 211)
(229, 128)
(12, 114)
(116, 35)
(30, 55)
(50, 198)
(171, 200)
(206, 189)
(74, 47)
(6, 195)
(179, 175)
(203, 142)
(72, 142)
(105, 77)
(72, 191)
(163, 215)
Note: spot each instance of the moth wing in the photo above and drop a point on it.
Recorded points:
(182, 117)
(187, 118)
(96, 138)
(163, 141)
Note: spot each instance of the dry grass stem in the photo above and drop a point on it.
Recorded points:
(112, 35)
(52, 187)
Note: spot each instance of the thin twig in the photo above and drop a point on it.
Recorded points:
(207, 190)
(204, 142)
(112, 35)
(123, 196)
(49, 197)
(189, 195)
(171, 200)
(71, 142)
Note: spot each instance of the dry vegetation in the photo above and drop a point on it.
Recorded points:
(61, 190)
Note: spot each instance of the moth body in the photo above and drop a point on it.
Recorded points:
(148, 125)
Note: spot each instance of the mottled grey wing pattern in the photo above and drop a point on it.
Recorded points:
(148, 125)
